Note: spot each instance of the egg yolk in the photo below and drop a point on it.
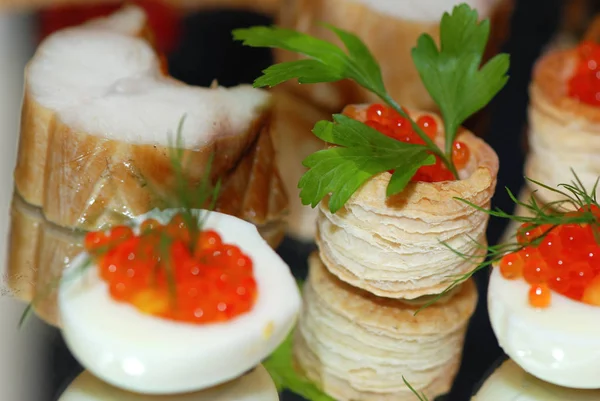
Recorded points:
(387, 121)
(567, 261)
(165, 272)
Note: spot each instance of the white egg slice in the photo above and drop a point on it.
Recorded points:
(510, 382)
(559, 344)
(146, 354)
(254, 386)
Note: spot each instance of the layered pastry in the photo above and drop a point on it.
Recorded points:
(256, 385)
(390, 29)
(97, 113)
(177, 301)
(564, 118)
(382, 258)
(357, 346)
(543, 300)
(293, 120)
(510, 382)
(399, 246)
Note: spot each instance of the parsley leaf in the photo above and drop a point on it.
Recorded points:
(327, 63)
(452, 75)
(362, 153)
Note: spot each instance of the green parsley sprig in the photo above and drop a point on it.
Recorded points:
(451, 74)
(546, 217)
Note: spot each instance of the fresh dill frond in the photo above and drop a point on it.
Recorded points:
(547, 216)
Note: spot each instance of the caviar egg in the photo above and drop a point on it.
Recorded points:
(257, 385)
(559, 344)
(142, 353)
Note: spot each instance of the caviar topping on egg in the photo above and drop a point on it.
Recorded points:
(563, 258)
(584, 85)
(172, 272)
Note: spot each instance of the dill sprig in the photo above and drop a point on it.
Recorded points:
(185, 198)
(421, 396)
(538, 216)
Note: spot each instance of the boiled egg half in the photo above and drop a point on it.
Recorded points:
(147, 354)
(559, 344)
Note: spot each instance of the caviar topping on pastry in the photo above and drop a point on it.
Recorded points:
(359, 151)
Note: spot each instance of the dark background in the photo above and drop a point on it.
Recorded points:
(206, 51)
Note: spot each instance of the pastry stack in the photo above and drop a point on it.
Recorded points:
(379, 260)
(374, 22)
(98, 129)
(564, 122)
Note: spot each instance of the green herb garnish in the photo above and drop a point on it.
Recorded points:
(451, 74)
(547, 216)
(420, 396)
(342, 170)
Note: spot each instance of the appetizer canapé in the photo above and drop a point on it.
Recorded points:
(544, 300)
(170, 305)
(357, 346)
(389, 223)
(94, 148)
(564, 118)
(397, 246)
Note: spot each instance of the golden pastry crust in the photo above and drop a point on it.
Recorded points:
(37, 255)
(358, 346)
(391, 246)
(564, 133)
(375, 29)
(86, 181)
(293, 121)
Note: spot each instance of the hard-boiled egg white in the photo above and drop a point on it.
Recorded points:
(254, 386)
(147, 354)
(510, 382)
(559, 344)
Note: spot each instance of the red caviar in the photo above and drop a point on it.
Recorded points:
(584, 85)
(387, 121)
(566, 260)
(209, 282)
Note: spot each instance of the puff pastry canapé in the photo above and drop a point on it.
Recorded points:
(564, 133)
(392, 247)
(357, 346)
